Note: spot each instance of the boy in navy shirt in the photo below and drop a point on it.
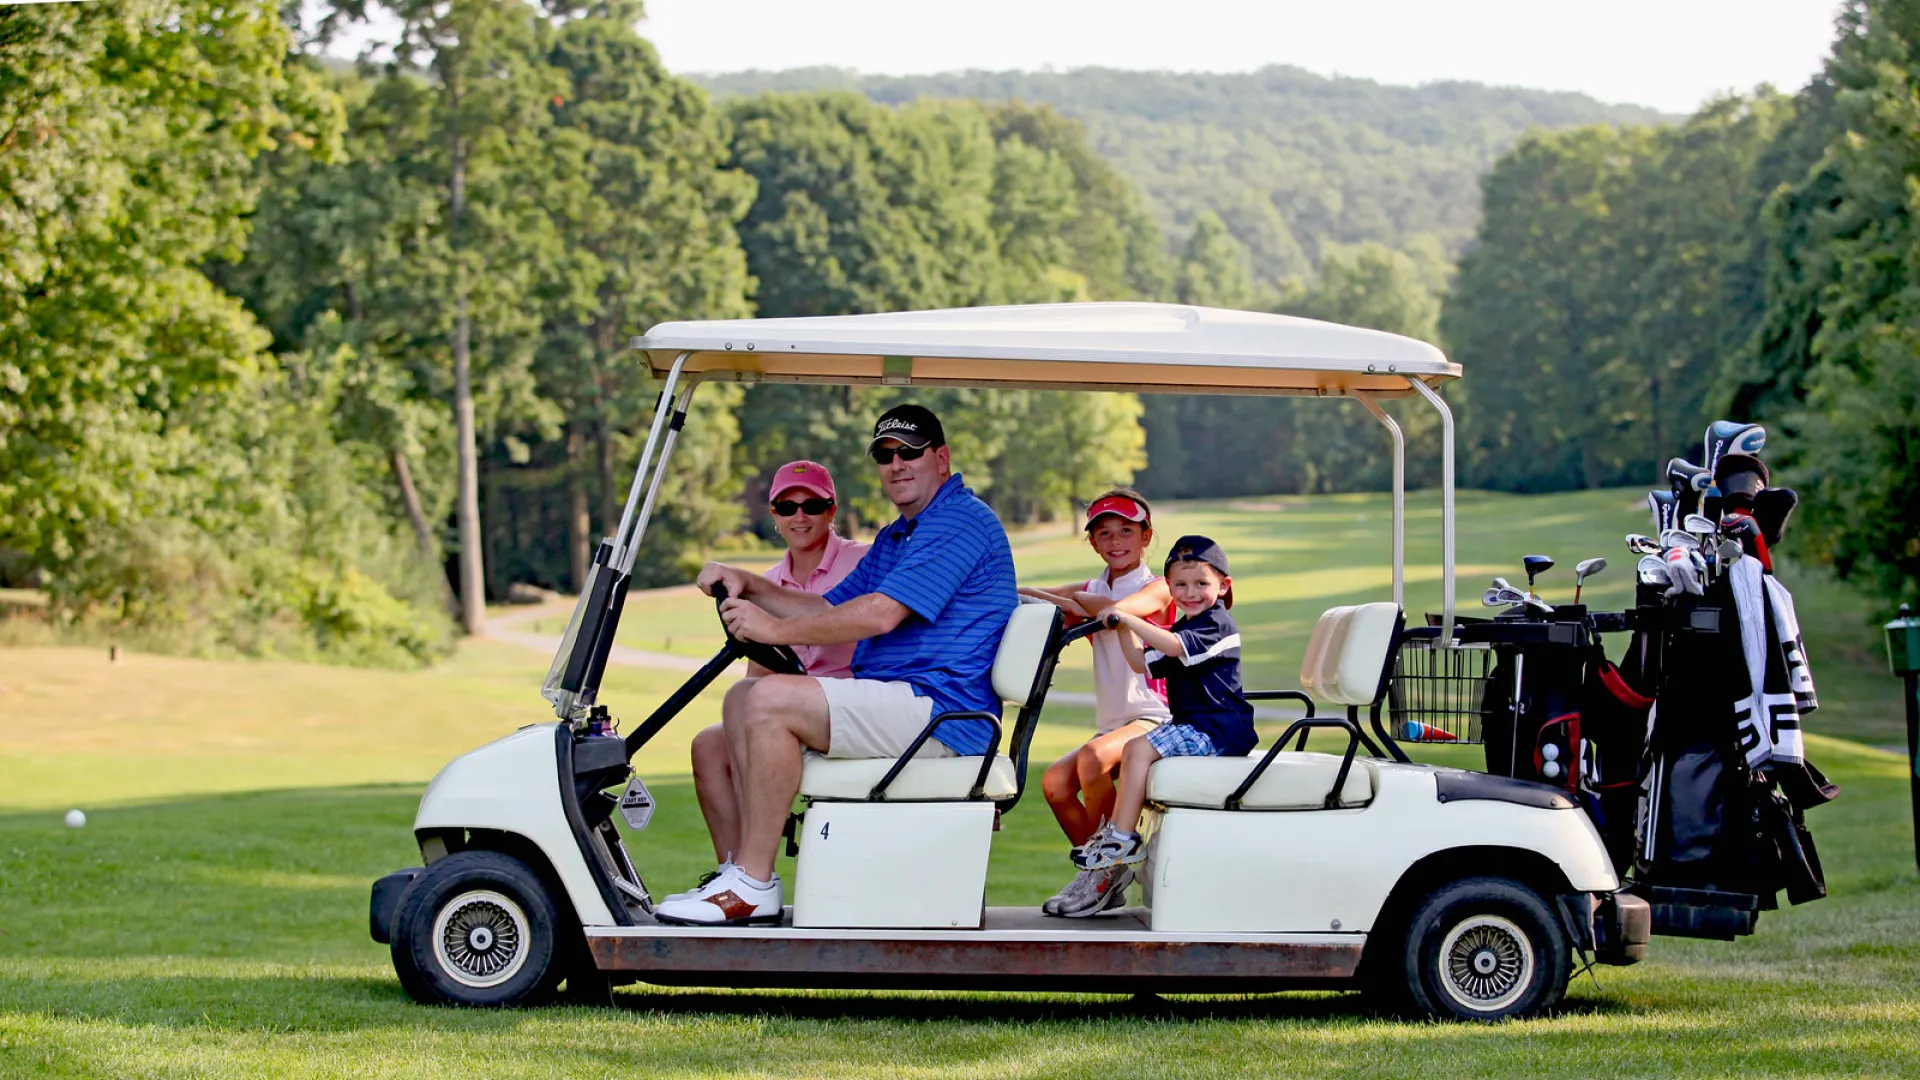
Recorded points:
(1199, 656)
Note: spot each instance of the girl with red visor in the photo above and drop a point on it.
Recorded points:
(1079, 787)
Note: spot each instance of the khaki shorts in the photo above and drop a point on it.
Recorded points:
(870, 718)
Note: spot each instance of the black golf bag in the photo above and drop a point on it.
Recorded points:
(1722, 826)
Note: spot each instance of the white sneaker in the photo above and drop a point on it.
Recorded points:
(730, 899)
(1068, 896)
(706, 879)
(1110, 848)
(1106, 891)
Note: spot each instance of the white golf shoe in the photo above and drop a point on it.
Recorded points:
(706, 879)
(730, 899)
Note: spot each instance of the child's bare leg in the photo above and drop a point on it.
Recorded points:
(1138, 757)
(1095, 762)
(1060, 784)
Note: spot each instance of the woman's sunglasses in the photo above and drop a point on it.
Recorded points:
(885, 454)
(788, 508)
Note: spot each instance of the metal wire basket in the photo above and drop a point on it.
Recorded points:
(1439, 695)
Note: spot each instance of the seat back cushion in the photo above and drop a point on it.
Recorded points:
(924, 779)
(1022, 648)
(1348, 652)
(1297, 780)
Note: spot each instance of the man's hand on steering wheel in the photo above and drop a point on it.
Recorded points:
(747, 625)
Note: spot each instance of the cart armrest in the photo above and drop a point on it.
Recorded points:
(1302, 725)
(879, 792)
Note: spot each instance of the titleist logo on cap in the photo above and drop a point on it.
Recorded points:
(894, 423)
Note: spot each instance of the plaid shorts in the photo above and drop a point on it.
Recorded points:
(1181, 740)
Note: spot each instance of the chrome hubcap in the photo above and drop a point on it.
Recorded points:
(1486, 963)
(480, 939)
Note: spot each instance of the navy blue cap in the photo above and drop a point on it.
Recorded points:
(1193, 548)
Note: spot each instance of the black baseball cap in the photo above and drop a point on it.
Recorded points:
(1201, 549)
(913, 425)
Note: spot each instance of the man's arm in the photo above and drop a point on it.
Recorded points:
(746, 585)
(856, 620)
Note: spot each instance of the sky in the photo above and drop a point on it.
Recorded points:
(1670, 54)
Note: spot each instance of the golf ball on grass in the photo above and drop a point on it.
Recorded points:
(76, 819)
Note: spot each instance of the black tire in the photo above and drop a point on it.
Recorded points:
(477, 929)
(1483, 948)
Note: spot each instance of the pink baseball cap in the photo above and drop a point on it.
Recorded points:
(805, 475)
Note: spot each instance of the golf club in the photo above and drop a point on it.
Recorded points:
(1652, 570)
(1535, 566)
(1665, 509)
(1642, 545)
(1585, 569)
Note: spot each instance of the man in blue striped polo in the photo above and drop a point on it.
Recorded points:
(927, 606)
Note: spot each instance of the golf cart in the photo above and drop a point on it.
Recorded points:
(1444, 892)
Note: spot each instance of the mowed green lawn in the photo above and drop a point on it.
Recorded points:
(210, 919)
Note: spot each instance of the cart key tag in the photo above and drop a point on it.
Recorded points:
(636, 804)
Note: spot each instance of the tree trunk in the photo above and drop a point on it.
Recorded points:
(579, 514)
(473, 589)
(422, 532)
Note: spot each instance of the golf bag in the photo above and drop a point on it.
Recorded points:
(1726, 781)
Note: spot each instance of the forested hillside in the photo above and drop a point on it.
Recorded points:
(1292, 162)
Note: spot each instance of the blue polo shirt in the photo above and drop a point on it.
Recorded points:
(951, 567)
(1203, 682)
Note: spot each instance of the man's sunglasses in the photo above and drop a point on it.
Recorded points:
(884, 454)
(788, 508)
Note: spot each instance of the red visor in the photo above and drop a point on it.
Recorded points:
(1118, 505)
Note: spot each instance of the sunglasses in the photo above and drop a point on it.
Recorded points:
(788, 508)
(884, 455)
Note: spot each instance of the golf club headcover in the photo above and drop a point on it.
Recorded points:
(1731, 437)
(1686, 571)
(1771, 508)
(1741, 526)
(1665, 507)
(1687, 482)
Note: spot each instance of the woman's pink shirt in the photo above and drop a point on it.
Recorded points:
(836, 562)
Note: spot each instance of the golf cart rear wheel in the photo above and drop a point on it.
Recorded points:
(1485, 948)
(477, 928)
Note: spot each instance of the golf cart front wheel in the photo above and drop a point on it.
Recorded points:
(477, 928)
(1485, 948)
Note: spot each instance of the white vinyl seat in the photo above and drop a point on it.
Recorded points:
(1016, 668)
(1345, 660)
(1297, 780)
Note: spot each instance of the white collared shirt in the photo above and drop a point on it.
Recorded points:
(1121, 693)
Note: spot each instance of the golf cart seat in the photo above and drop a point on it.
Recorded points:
(1026, 645)
(1346, 664)
(904, 842)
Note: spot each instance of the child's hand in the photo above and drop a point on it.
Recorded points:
(1110, 619)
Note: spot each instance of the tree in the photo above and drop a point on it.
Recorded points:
(481, 119)
(1854, 444)
(1213, 269)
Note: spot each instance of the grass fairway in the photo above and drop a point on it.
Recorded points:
(210, 920)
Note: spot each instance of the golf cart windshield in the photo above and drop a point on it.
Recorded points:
(1124, 347)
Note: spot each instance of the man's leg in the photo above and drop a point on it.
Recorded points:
(713, 785)
(784, 715)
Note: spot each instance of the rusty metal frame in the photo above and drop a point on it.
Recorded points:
(1120, 953)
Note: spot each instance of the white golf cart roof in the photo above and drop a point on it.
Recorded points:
(1152, 348)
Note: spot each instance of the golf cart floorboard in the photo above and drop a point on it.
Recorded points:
(1015, 949)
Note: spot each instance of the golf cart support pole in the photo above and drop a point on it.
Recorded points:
(1446, 504)
(624, 544)
(674, 425)
(1399, 497)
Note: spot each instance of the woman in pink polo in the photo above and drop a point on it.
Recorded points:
(817, 558)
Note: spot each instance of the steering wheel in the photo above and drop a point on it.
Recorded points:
(779, 659)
